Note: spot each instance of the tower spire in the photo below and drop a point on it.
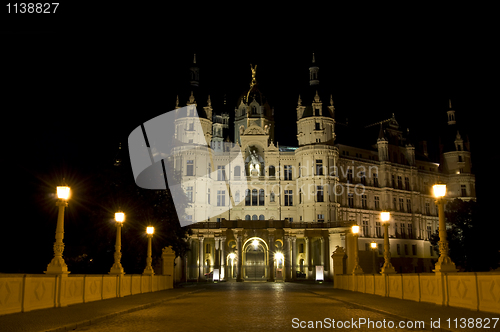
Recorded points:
(313, 72)
(451, 114)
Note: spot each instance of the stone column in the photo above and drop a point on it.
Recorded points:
(322, 240)
(201, 260)
(271, 255)
(288, 259)
(294, 258)
(307, 257)
(223, 258)
(239, 271)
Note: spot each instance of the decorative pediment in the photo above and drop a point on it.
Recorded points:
(254, 129)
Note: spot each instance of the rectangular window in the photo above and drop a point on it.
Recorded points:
(398, 249)
(414, 249)
(377, 202)
(221, 173)
(319, 167)
(321, 217)
(189, 192)
(190, 168)
(288, 197)
(375, 179)
(400, 182)
(408, 205)
(395, 204)
(209, 170)
(288, 172)
(406, 249)
(463, 187)
(364, 200)
(349, 175)
(393, 181)
(410, 231)
(429, 232)
(401, 204)
(427, 208)
(350, 200)
(221, 197)
(365, 228)
(208, 196)
(407, 183)
(378, 229)
(362, 178)
(319, 192)
(403, 230)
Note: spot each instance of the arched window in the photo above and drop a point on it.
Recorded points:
(254, 217)
(237, 197)
(254, 197)
(247, 217)
(261, 217)
(261, 197)
(272, 171)
(237, 171)
(247, 197)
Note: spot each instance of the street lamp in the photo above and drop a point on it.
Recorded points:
(373, 245)
(57, 264)
(117, 267)
(444, 264)
(357, 269)
(387, 268)
(149, 269)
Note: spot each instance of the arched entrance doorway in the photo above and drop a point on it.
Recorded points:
(255, 259)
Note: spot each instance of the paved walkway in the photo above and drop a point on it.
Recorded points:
(322, 301)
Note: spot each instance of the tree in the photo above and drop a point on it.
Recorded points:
(471, 237)
(112, 188)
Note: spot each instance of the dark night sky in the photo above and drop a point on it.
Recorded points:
(71, 93)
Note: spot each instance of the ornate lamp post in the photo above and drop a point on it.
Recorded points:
(444, 264)
(57, 265)
(149, 269)
(387, 268)
(357, 269)
(117, 267)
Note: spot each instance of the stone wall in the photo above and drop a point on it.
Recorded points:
(471, 290)
(26, 292)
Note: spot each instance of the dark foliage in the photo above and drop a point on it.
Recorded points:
(471, 237)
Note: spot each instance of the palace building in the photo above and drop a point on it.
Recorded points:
(288, 208)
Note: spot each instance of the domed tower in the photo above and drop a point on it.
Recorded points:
(315, 121)
(186, 123)
(455, 160)
(316, 156)
(253, 109)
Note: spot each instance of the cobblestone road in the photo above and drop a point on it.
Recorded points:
(251, 307)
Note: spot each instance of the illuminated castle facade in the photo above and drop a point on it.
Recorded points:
(301, 201)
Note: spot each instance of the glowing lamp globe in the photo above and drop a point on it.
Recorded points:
(355, 229)
(439, 190)
(120, 216)
(385, 216)
(373, 245)
(150, 230)
(63, 192)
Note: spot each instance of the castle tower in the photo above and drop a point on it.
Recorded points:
(253, 109)
(315, 123)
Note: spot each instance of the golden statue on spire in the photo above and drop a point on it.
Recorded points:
(254, 69)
